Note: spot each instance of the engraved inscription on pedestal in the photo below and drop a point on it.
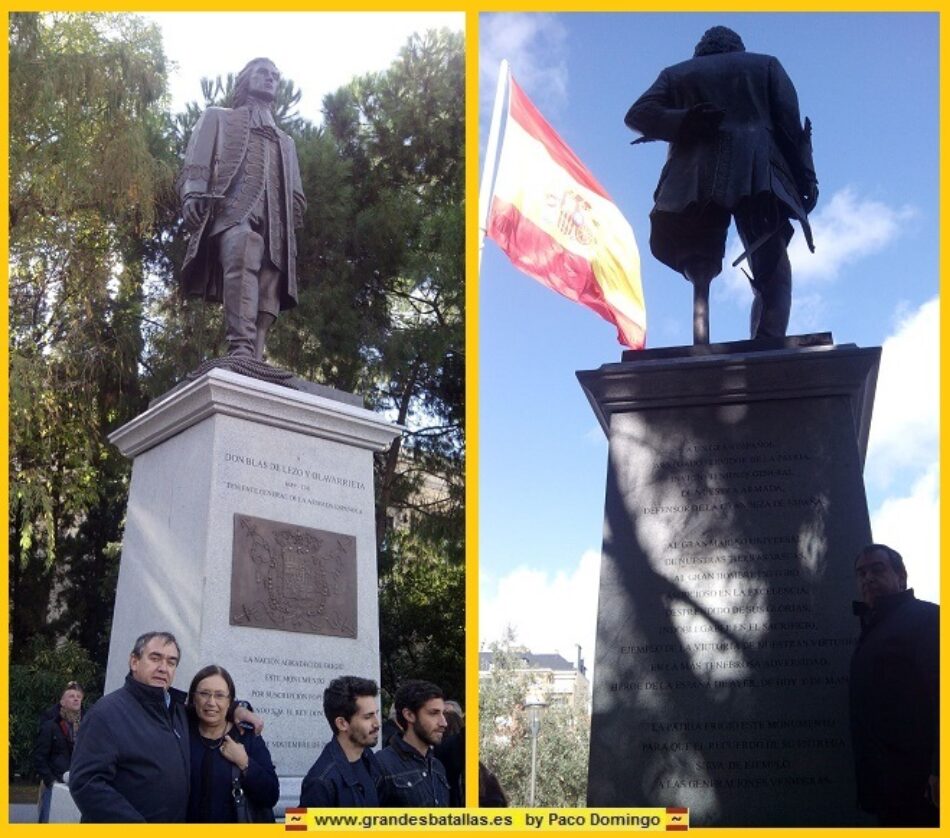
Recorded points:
(724, 627)
(293, 578)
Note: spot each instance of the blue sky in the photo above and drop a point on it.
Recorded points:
(869, 82)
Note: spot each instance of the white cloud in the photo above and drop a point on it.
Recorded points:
(903, 446)
(534, 45)
(846, 228)
(911, 526)
(549, 612)
(906, 414)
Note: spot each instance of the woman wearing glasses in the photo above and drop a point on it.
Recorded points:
(226, 762)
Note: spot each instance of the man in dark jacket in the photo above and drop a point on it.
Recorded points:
(131, 762)
(451, 752)
(54, 744)
(737, 149)
(414, 775)
(346, 774)
(894, 694)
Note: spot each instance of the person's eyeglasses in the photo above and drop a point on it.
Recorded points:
(204, 695)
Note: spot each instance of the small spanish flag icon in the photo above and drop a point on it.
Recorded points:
(677, 819)
(295, 820)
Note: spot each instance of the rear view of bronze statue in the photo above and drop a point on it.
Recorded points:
(737, 150)
(241, 199)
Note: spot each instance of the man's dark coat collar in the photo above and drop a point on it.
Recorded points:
(400, 744)
(148, 695)
(886, 605)
(343, 763)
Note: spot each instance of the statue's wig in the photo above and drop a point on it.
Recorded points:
(718, 39)
(243, 81)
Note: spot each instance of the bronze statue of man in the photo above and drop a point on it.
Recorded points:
(241, 199)
(737, 150)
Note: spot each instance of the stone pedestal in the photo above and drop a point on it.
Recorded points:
(734, 509)
(250, 535)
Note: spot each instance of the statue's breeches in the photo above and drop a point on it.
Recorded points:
(251, 286)
(680, 240)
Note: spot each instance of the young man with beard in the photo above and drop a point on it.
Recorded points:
(347, 774)
(414, 776)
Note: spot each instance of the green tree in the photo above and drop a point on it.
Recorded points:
(97, 327)
(87, 169)
(421, 634)
(38, 685)
(381, 313)
(504, 742)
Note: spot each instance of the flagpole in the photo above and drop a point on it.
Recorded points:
(491, 155)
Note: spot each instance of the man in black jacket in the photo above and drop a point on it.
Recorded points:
(451, 752)
(737, 149)
(414, 775)
(54, 744)
(132, 759)
(346, 774)
(894, 694)
(131, 763)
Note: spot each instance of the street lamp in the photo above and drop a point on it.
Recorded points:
(534, 705)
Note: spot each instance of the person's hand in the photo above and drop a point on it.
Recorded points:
(810, 196)
(702, 120)
(243, 715)
(234, 752)
(933, 790)
(193, 210)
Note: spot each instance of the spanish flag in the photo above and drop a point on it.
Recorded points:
(558, 224)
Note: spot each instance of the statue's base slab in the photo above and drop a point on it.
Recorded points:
(297, 606)
(245, 366)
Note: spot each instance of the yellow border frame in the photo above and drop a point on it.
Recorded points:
(472, 8)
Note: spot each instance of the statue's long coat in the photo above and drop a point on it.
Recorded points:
(760, 146)
(215, 151)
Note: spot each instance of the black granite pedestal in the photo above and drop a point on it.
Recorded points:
(734, 509)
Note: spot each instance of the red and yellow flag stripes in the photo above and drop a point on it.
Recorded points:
(557, 224)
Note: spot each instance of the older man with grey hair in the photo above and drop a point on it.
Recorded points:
(131, 763)
(895, 696)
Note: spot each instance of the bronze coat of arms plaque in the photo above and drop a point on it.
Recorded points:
(293, 578)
